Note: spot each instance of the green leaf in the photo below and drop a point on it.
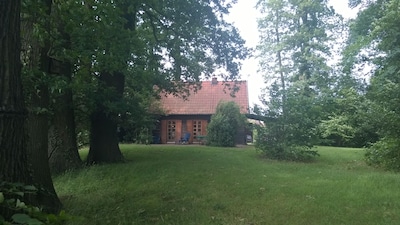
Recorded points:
(21, 205)
(30, 188)
(19, 193)
(1, 197)
(25, 219)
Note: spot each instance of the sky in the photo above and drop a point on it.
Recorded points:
(244, 16)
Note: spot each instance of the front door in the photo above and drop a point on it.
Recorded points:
(171, 131)
(197, 130)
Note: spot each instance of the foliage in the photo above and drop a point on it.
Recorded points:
(351, 122)
(289, 136)
(167, 44)
(142, 111)
(272, 141)
(384, 153)
(12, 197)
(158, 44)
(224, 125)
(220, 132)
(375, 40)
(337, 128)
(296, 43)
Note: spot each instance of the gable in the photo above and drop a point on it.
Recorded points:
(205, 100)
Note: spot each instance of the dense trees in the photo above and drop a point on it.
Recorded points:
(374, 41)
(311, 100)
(98, 62)
(296, 43)
(86, 60)
(158, 44)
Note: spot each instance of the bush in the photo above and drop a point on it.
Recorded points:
(271, 142)
(220, 132)
(291, 118)
(385, 154)
(16, 211)
(224, 125)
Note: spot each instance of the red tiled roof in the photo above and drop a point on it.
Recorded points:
(205, 100)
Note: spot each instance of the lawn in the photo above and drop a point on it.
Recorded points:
(183, 184)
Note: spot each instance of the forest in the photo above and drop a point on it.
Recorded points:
(73, 72)
(331, 81)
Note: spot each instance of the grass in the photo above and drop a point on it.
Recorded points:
(180, 184)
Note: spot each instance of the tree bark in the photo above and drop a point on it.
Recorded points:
(13, 151)
(62, 146)
(37, 127)
(104, 146)
(13, 159)
(63, 149)
(36, 59)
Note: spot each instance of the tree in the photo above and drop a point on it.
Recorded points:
(46, 80)
(375, 40)
(224, 125)
(14, 166)
(36, 68)
(172, 42)
(296, 39)
(98, 47)
(62, 146)
(13, 151)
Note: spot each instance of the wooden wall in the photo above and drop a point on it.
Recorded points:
(184, 123)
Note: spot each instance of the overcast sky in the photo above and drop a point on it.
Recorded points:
(244, 16)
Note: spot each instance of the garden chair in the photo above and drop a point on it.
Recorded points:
(185, 139)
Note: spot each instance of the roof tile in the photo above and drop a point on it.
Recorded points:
(205, 100)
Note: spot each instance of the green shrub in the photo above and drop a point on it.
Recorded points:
(224, 124)
(14, 210)
(271, 142)
(385, 154)
(220, 132)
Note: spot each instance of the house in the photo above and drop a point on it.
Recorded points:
(190, 117)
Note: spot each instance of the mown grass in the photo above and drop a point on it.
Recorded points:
(161, 184)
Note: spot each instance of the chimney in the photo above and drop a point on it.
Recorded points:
(214, 81)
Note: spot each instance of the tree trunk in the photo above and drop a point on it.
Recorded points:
(37, 127)
(13, 160)
(104, 146)
(63, 149)
(282, 78)
(37, 62)
(13, 151)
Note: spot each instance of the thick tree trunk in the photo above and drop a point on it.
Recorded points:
(13, 159)
(37, 127)
(13, 151)
(35, 57)
(63, 149)
(104, 146)
(37, 143)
